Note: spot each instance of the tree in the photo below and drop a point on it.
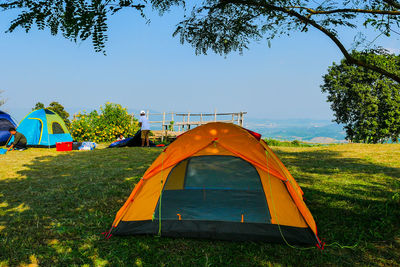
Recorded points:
(367, 102)
(57, 108)
(2, 100)
(39, 105)
(222, 26)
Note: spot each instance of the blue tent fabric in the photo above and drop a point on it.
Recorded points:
(121, 143)
(136, 140)
(6, 122)
(37, 128)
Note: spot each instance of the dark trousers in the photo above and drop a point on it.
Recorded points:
(20, 145)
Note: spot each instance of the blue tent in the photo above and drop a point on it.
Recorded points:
(44, 128)
(6, 123)
(136, 140)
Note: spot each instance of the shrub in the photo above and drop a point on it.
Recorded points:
(396, 198)
(105, 125)
(171, 126)
(294, 143)
(272, 142)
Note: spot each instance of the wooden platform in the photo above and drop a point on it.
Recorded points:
(162, 134)
(184, 123)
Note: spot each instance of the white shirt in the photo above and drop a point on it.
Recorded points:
(145, 122)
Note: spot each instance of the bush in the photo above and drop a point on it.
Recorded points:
(171, 126)
(294, 143)
(103, 126)
(272, 142)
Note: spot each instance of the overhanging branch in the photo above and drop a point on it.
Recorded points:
(392, 3)
(347, 10)
(328, 33)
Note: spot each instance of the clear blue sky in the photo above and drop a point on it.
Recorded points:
(146, 68)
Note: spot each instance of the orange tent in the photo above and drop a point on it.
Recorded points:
(218, 181)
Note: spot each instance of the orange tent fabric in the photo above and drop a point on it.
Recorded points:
(283, 195)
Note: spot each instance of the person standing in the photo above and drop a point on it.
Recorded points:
(19, 140)
(145, 128)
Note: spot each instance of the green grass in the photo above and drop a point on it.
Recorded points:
(55, 205)
(294, 143)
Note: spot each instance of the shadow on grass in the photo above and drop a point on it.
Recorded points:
(62, 203)
(351, 199)
(56, 212)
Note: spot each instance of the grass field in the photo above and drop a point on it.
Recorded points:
(55, 205)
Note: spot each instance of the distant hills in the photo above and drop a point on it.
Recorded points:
(308, 130)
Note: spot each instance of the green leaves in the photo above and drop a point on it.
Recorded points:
(76, 20)
(221, 30)
(365, 101)
(103, 126)
(221, 26)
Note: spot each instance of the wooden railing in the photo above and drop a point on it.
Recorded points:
(184, 121)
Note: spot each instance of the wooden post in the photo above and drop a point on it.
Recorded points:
(172, 119)
(188, 121)
(215, 115)
(238, 118)
(164, 130)
(163, 121)
(233, 117)
(201, 118)
(242, 116)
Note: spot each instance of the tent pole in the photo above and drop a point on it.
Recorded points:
(48, 134)
(9, 138)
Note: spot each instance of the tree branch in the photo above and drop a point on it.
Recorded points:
(392, 3)
(328, 33)
(347, 10)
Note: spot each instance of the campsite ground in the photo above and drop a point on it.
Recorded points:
(55, 205)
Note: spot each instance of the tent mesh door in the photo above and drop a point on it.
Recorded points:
(214, 188)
